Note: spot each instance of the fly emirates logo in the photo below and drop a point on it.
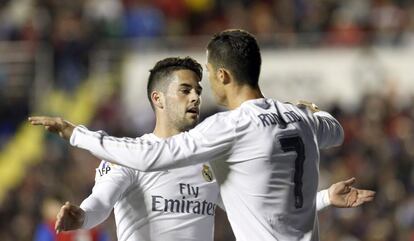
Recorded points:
(189, 202)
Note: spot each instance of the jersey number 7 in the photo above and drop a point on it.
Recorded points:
(295, 143)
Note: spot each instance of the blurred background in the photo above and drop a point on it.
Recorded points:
(88, 61)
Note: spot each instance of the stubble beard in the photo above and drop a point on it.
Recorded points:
(182, 123)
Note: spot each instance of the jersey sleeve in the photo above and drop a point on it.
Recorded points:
(111, 181)
(322, 200)
(210, 139)
(327, 129)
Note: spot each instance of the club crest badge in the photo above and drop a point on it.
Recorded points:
(207, 173)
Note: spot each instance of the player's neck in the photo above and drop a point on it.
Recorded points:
(163, 129)
(236, 95)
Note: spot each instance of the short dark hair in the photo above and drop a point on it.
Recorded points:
(165, 67)
(236, 50)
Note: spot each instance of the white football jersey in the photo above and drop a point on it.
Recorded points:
(177, 204)
(265, 155)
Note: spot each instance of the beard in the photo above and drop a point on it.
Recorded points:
(186, 125)
(181, 122)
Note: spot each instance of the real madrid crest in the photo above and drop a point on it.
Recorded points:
(207, 173)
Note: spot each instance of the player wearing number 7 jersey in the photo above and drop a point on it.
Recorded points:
(264, 153)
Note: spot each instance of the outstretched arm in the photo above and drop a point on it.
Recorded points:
(210, 139)
(343, 195)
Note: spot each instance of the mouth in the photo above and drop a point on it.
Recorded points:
(193, 110)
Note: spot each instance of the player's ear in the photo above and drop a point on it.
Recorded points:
(156, 98)
(223, 75)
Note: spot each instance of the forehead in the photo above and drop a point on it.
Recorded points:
(185, 77)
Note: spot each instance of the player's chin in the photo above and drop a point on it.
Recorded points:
(193, 116)
(192, 120)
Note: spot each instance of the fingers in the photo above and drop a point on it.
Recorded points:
(303, 102)
(61, 218)
(36, 120)
(350, 181)
(75, 211)
(363, 197)
(45, 120)
(54, 124)
(362, 200)
(366, 194)
(344, 187)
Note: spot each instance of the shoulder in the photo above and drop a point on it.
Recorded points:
(109, 169)
(220, 119)
(295, 111)
(288, 106)
(218, 128)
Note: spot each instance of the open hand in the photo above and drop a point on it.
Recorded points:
(54, 124)
(344, 195)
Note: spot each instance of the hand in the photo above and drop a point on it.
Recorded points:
(54, 124)
(306, 104)
(70, 217)
(344, 195)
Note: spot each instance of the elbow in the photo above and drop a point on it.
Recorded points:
(341, 133)
(339, 137)
(336, 138)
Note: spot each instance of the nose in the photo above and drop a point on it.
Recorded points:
(195, 98)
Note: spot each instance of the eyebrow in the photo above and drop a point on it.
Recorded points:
(198, 87)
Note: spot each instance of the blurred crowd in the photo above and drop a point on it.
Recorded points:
(379, 145)
(327, 21)
(73, 28)
(378, 150)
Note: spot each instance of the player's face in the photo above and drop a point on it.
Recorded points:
(215, 84)
(182, 100)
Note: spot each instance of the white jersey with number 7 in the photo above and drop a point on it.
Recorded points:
(265, 156)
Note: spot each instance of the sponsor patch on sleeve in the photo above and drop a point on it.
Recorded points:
(103, 169)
